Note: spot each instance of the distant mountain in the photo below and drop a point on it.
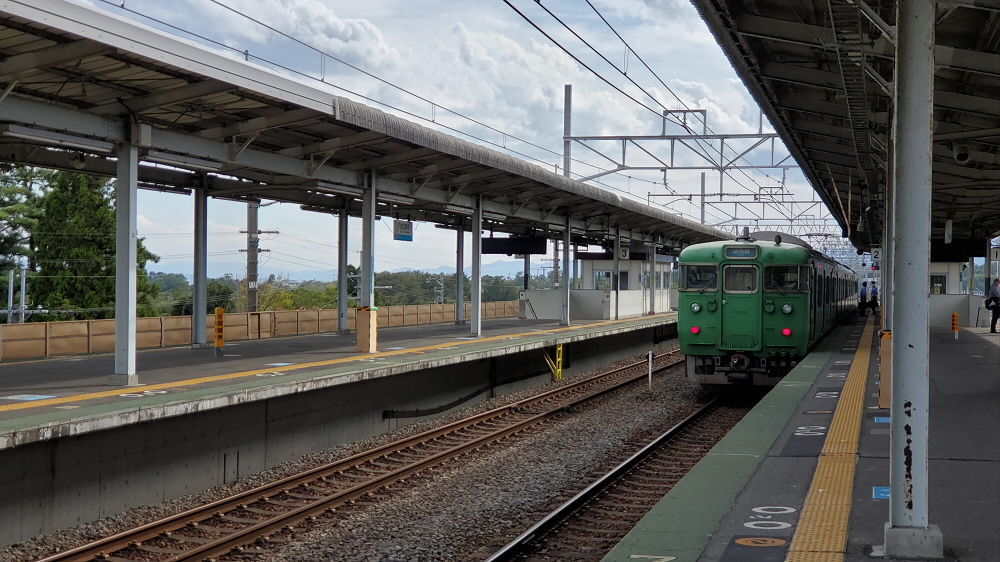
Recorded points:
(508, 268)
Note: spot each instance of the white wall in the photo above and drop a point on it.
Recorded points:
(953, 271)
(967, 307)
(545, 304)
(589, 304)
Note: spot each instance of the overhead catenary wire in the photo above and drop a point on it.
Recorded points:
(620, 71)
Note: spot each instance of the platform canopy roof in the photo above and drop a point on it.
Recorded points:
(822, 70)
(78, 80)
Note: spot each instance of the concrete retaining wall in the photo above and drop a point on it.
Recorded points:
(62, 482)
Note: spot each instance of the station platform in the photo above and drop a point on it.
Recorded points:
(805, 475)
(49, 398)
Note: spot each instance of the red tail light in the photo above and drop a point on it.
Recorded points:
(695, 330)
(786, 332)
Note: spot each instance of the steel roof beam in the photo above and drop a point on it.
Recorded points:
(16, 65)
(349, 141)
(259, 124)
(390, 159)
(138, 104)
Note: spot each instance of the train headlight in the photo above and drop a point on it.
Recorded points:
(695, 307)
(786, 308)
(786, 332)
(695, 330)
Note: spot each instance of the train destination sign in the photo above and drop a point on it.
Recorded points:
(741, 252)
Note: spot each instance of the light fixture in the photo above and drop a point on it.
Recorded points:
(695, 307)
(393, 198)
(786, 308)
(54, 138)
(180, 161)
(339, 189)
(457, 209)
(494, 216)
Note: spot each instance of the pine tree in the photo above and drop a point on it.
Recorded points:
(75, 250)
(18, 215)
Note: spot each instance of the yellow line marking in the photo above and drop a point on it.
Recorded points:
(297, 367)
(821, 534)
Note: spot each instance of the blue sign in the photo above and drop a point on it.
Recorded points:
(880, 492)
(881, 419)
(402, 230)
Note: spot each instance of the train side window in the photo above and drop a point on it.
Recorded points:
(740, 278)
(698, 278)
(784, 278)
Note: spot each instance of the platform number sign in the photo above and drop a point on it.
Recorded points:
(402, 230)
(876, 257)
(623, 253)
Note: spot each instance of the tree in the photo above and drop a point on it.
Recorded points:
(19, 214)
(74, 248)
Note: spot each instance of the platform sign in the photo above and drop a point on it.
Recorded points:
(880, 492)
(402, 230)
(876, 257)
(881, 419)
(623, 253)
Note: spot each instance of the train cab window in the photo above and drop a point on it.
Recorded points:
(698, 278)
(740, 278)
(785, 278)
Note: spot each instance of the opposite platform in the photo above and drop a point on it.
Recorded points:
(804, 476)
(69, 396)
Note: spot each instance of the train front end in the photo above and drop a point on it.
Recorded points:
(743, 318)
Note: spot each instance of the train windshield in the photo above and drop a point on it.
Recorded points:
(786, 278)
(741, 278)
(698, 277)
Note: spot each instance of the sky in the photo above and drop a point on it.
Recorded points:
(477, 58)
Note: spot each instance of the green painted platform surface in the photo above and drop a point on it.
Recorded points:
(680, 526)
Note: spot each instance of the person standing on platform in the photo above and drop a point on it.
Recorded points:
(993, 303)
(863, 299)
(873, 298)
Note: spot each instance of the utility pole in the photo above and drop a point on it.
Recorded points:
(253, 248)
(555, 263)
(10, 296)
(24, 293)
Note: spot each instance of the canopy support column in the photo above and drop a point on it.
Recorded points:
(908, 533)
(126, 287)
(199, 304)
(477, 269)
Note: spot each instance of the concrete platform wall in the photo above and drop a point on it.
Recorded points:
(62, 482)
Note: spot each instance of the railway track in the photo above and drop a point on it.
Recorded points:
(262, 518)
(590, 524)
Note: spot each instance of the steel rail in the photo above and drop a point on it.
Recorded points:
(100, 549)
(512, 549)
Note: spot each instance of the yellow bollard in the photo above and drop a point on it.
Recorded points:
(885, 369)
(954, 324)
(220, 330)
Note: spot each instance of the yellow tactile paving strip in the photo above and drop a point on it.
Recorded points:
(821, 534)
(296, 367)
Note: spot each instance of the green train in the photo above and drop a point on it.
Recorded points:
(749, 310)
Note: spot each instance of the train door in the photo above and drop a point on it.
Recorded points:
(813, 303)
(741, 307)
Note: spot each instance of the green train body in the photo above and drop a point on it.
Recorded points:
(749, 310)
